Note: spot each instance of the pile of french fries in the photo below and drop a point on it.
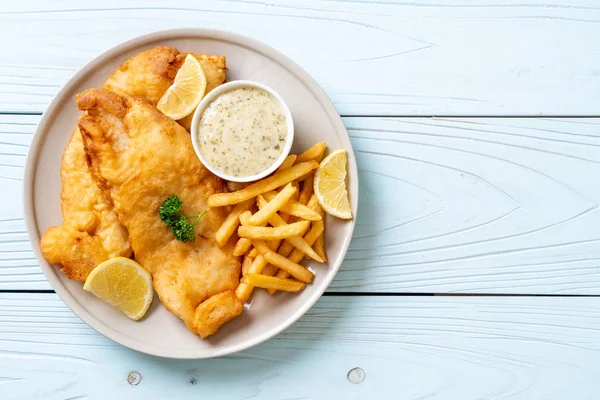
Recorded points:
(278, 222)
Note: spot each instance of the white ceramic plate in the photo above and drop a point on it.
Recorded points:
(160, 332)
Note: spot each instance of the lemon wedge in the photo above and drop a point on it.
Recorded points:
(188, 88)
(330, 185)
(124, 284)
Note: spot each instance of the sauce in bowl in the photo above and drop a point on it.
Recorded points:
(242, 132)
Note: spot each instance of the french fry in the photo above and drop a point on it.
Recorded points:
(318, 159)
(246, 264)
(244, 290)
(297, 186)
(270, 282)
(287, 163)
(313, 204)
(313, 153)
(305, 177)
(280, 200)
(241, 246)
(285, 217)
(270, 270)
(280, 232)
(261, 246)
(319, 247)
(261, 202)
(296, 241)
(318, 226)
(307, 190)
(245, 221)
(273, 182)
(296, 270)
(300, 244)
(231, 222)
(285, 249)
(295, 208)
(300, 204)
(274, 244)
(245, 218)
(310, 238)
(315, 231)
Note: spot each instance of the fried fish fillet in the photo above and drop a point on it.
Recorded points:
(141, 157)
(90, 232)
(149, 74)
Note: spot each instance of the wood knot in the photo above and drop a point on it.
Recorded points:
(134, 378)
(356, 375)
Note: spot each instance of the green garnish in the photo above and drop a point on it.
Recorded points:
(170, 213)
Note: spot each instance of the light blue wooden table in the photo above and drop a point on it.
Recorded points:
(478, 143)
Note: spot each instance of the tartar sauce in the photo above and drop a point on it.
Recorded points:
(242, 132)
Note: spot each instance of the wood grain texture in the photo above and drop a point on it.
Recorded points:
(476, 205)
(447, 205)
(17, 261)
(430, 57)
(414, 347)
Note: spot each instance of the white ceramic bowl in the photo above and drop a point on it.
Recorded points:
(228, 87)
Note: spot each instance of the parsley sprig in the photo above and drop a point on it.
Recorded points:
(170, 213)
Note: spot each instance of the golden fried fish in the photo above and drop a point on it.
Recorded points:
(90, 232)
(141, 157)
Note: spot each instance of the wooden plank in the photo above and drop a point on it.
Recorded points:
(408, 348)
(517, 57)
(476, 205)
(447, 205)
(18, 265)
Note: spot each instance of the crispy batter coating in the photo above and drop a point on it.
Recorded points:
(141, 157)
(90, 232)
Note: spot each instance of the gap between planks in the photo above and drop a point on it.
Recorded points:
(373, 294)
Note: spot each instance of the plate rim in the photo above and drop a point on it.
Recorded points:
(37, 142)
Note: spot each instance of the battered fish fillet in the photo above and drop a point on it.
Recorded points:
(149, 74)
(141, 157)
(91, 232)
